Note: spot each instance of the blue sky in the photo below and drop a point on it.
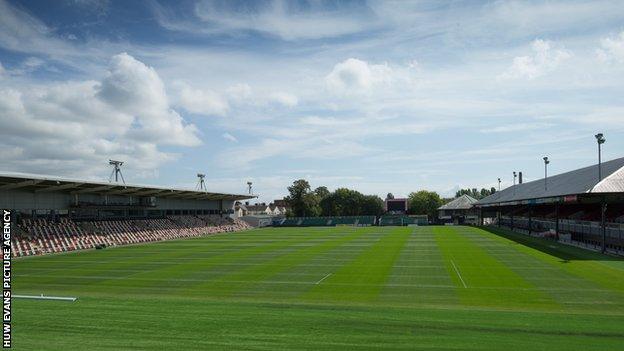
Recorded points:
(381, 96)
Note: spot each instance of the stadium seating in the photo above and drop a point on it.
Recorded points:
(40, 236)
(588, 232)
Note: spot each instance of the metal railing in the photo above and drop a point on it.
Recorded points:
(585, 229)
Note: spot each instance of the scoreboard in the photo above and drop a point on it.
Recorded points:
(396, 205)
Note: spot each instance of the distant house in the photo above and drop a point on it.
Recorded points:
(459, 211)
(277, 210)
(259, 209)
(240, 209)
(283, 205)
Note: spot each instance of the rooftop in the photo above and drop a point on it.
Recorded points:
(580, 181)
(41, 184)
(463, 202)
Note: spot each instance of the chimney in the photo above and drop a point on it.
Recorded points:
(520, 178)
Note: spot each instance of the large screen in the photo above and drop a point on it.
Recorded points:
(396, 205)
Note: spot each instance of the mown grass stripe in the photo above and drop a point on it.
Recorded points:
(598, 268)
(396, 289)
(175, 269)
(246, 278)
(419, 275)
(482, 270)
(228, 263)
(376, 262)
(570, 275)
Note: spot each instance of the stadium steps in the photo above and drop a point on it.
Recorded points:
(65, 235)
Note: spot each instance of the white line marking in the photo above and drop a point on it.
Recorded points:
(41, 297)
(459, 275)
(325, 277)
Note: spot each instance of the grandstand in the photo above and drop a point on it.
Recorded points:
(459, 211)
(58, 215)
(576, 207)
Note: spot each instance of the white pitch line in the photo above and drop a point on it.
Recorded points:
(41, 297)
(325, 277)
(459, 275)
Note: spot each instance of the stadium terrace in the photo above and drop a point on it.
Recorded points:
(577, 207)
(58, 214)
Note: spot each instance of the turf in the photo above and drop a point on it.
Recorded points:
(430, 288)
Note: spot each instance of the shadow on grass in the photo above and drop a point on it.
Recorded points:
(565, 252)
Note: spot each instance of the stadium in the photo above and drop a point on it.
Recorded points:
(158, 267)
(312, 175)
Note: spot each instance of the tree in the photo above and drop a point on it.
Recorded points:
(347, 202)
(424, 202)
(390, 196)
(301, 200)
(321, 192)
(342, 202)
(475, 193)
(484, 192)
(372, 205)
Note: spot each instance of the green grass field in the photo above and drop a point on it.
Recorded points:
(430, 288)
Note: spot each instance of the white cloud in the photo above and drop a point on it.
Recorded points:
(286, 20)
(313, 147)
(307, 99)
(324, 121)
(239, 92)
(234, 98)
(517, 127)
(544, 60)
(21, 32)
(29, 65)
(612, 48)
(605, 116)
(205, 102)
(72, 128)
(356, 76)
(529, 17)
(33, 62)
(242, 157)
(135, 88)
(230, 137)
(285, 99)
